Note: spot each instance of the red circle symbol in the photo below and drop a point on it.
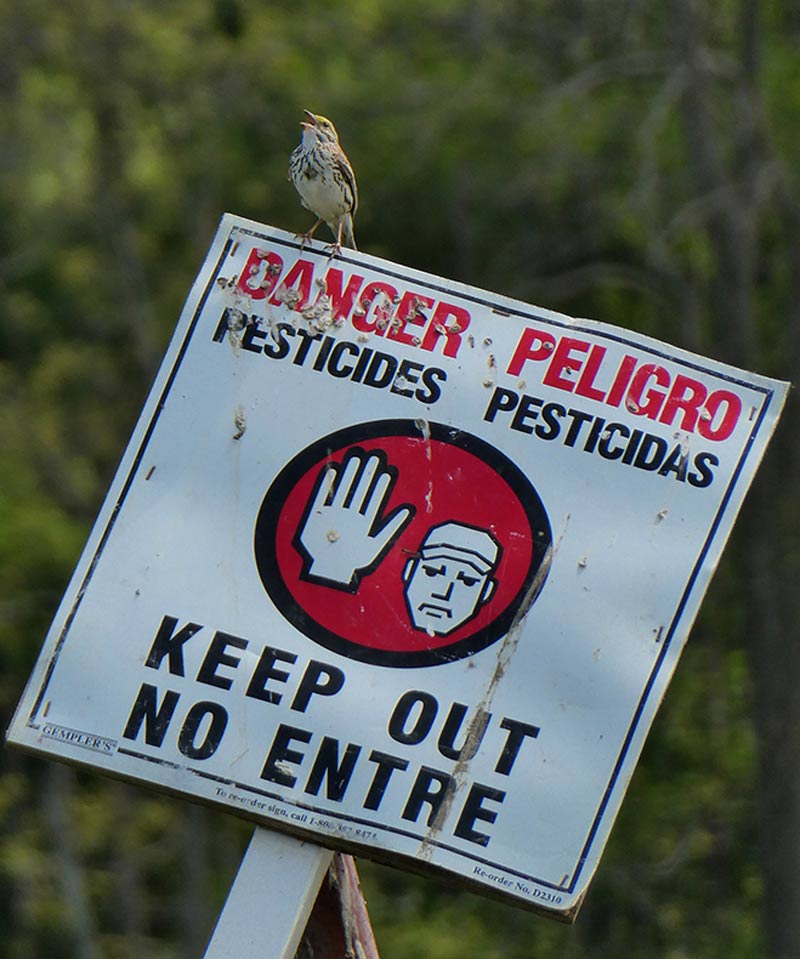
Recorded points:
(402, 545)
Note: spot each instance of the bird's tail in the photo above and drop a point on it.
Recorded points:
(348, 239)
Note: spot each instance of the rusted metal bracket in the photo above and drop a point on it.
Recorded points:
(339, 926)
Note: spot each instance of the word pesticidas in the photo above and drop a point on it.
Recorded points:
(613, 442)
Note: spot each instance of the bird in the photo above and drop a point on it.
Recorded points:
(324, 178)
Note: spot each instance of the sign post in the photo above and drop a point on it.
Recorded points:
(270, 899)
(398, 566)
(271, 902)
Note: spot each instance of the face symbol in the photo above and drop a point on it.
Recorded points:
(451, 578)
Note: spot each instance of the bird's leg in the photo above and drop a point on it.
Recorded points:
(306, 237)
(336, 247)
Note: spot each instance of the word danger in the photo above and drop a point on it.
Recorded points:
(321, 764)
(646, 389)
(376, 307)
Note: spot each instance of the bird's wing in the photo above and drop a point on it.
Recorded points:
(350, 179)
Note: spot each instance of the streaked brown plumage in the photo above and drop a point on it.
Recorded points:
(322, 175)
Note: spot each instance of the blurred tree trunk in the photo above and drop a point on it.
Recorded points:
(57, 802)
(733, 176)
(114, 202)
(127, 870)
(772, 617)
(195, 909)
(772, 544)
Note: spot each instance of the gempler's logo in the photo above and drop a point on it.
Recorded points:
(402, 543)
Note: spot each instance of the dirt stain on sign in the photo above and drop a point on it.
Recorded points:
(480, 719)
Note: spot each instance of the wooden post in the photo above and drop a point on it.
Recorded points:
(279, 906)
(339, 927)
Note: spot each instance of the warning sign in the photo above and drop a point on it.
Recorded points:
(398, 565)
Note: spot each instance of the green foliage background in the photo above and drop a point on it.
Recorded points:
(630, 161)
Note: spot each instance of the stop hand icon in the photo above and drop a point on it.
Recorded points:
(344, 534)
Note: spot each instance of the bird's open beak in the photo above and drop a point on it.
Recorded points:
(311, 121)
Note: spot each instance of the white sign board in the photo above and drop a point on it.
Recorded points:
(398, 565)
